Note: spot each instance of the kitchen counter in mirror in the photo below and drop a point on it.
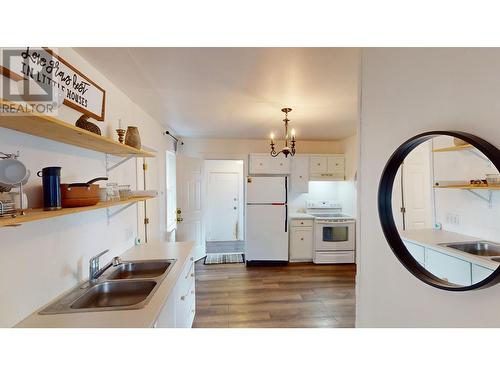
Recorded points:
(142, 318)
(433, 239)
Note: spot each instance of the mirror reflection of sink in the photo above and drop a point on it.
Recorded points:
(480, 248)
(139, 270)
(115, 294)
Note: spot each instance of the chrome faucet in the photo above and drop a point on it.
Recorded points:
(95, 272)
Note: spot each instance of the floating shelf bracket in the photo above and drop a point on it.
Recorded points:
(109, 167)
(488, 199)
(116, 212)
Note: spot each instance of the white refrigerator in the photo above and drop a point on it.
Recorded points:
(267, 219)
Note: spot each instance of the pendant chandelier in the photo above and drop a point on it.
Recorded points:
(285, 150)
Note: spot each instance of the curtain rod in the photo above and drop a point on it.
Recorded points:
(176, 139)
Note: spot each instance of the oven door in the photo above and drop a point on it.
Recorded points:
(335, 236)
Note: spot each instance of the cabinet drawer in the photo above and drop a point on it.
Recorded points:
(454, 270)
(301, 244)
(301, 223)
(187, 277)
(184, 307)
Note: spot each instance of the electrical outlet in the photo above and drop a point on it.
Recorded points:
(453, 219)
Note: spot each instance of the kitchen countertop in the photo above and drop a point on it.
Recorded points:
(300, 215)
(141, 318)
(432, 238)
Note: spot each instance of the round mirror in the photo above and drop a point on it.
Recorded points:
(439, 206)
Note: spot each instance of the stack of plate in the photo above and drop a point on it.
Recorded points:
(6, 207)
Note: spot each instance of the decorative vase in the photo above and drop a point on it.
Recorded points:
(132, 138)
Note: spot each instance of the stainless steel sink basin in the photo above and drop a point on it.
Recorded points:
(115, 294)
(126, 286)
(480, 248)
(139, 270)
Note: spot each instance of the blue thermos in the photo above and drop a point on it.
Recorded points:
(51, 186)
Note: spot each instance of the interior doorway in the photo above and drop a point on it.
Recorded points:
(224, 216)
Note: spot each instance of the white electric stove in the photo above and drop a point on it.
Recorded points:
(334, 233)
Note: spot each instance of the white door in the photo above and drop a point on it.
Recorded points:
(223, 203)
(189, 203)
(417, 188)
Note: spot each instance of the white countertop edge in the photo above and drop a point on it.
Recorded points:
(414, 236)
(141, 318)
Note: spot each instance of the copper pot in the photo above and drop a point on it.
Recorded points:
(81, 194)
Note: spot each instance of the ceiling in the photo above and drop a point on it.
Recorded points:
(239, 92)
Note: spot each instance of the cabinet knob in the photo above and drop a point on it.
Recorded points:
(302, 223)
(192, 275)
(192, 258)
(319, 164)
(302, 239)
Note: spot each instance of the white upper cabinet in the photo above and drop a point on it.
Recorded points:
(259, 164)
(327, 167)
(301, 168)
(318, 165)
(299, 178)
(266, 164)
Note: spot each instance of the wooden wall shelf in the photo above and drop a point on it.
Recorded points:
(453, 148)
(468, 187)
(36, 214)
(60, 131)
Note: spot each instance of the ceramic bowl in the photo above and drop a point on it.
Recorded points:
(13, 172)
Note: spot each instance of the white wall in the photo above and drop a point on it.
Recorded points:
(475, 217)
(406, 92)
(42, 259)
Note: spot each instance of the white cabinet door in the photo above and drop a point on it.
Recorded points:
(167, 314)
(299, 178)
(479, 273)
(336, 167)
(454, 270)
(318, 165)
(260, 164)
(301, 244)
(416, 251)
(280, 165)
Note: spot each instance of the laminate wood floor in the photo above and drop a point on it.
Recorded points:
(298, 295)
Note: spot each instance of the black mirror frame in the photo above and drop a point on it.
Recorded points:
(386, 215)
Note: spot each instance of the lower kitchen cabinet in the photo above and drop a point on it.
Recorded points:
(454, 270)
(301, 241)
(479, 273)
(417, 251)
(180, 307)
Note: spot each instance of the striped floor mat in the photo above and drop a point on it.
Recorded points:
(224, 258)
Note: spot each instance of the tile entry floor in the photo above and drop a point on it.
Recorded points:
(298, 295)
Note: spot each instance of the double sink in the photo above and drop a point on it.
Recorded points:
(480, 248)
(128, 285)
